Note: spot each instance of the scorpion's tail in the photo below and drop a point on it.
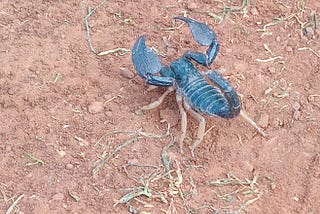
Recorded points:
(229, 93)
(233, 99)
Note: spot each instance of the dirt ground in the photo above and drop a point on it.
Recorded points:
(72, 138)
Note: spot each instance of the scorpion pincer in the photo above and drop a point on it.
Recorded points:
(193, 93)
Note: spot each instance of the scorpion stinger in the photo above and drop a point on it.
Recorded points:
(147, 64)
(205, 37)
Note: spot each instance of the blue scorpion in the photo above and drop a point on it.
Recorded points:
(193, 93)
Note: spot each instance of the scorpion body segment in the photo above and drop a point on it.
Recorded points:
(200, 95)
(194, 93)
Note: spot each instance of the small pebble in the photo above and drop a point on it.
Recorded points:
(58, 197)
(296, 115)
(272, 70)
(254, 11)
(221, 70)
(264, 120)
(289, 49)
(246, 165)
(228, 50)
(61, 153)
(125, 72)
(278, 39)
(170, 116)
(8, 148)
(107, 96)
(96, 107)
(296, 198)
(278, 122)
(296, 106)
(69, 166)
(108, 114)
(171, 52)
(240, 66)
(33, 68)
(12, 90)
(273, 186)
(309, 31)
(192, 6)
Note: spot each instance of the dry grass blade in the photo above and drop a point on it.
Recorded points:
(143, 189)
(165, 158)
(4, 196)
(241, 189)
(244, 4)
(269, 59)
(274, 56)
(317, 53)
(14, 204)
(150, 182)
(173, 28)
(74, 197)
(57, 77)
(35, 159)
(96, 8)
(113, 133)
(119, 148)
(133, 194)
(247, 203)
(278, 90)
(137, 135)
(228, 10)
(314, 20)
(233, 181)
(3, 13)
(137, 178)
(171, 209)
(275, 21)
(86, 23)
(121, 51)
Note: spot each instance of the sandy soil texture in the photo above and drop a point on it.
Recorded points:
(72, 138)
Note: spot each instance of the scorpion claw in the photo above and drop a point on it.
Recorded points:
(200, 31)
(144, 59)
(205, 36)
(147, 63)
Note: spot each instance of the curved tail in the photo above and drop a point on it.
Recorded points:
(229, 93)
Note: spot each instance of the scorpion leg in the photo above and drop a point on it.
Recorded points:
(201, 129)
(158, 102)
(205, 37)
(183, 114)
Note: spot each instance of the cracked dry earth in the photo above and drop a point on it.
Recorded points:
(61, 106)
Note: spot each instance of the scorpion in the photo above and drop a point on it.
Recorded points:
(194, 93)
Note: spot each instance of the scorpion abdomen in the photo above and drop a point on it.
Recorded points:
(206, 99)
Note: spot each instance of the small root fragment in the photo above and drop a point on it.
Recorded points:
(14, 204)
(249, 120)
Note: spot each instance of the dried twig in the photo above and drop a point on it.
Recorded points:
(14, 204)
(86, 23)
